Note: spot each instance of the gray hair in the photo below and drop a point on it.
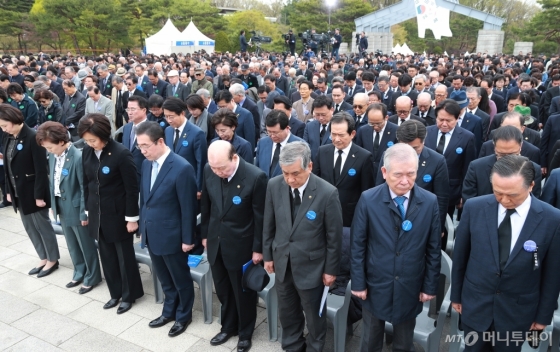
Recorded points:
(203, 93)
(102, 67)
(117, 79)
(237, 89)
(399, 152)
(474, 90)
(43, 78)
(294, 151)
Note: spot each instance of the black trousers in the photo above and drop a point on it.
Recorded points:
(3, 186)
(492, 341)
(176, 282)
(374, 328)
(291, 300)
(239, 309)
(120, 269)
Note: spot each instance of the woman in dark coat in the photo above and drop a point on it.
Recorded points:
(27, 186)
(49, 110)
(224, 122)
(111, 198)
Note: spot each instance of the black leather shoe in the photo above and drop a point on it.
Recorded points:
(221, 338)
(35, 271)
(178, 328)
(124, 307)
(243, 345)
(73, 284)
(2, 205)
(111, 304)
(49, 271)
(85, 289)
(159, 322)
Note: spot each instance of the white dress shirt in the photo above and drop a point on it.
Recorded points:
(344, 155)
(447, 138)
(380, 134)
(517, 219)
(282, 145)
(234, 171)
(301, 189)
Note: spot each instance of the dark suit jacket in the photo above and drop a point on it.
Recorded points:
(457, 162)
(394, 265)
(364, 138)
(311, 242)
(264, 155)
(212, 108)
(242, 148)
(73, 109)
(296, 127)
(387, 99)
(56, 88)
(395, 119)
(363, 122)
(499, 101)
(312, 135)
(182, 91)
(501, 93)
(554, 106)
(356, 176)
(236, 229)
(146, 85)
(191, 146)
(473, 124)
(137, 155)
(430, 118)
(251, 106)
(551, 189)
(555, 161)
(161, 88)
(495, 123)
(528, 150)
(413, 95)
(524, 295)
(545, 103)
(106, 89)
(168, 211)
(485, 121)
(551, 133)
(327, 92)
(432, 176)
(477, 181)
(344, 106)
(283, 84)
(30, 170)
(350, 98)
(110, 190)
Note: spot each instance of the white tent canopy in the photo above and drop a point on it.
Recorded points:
(405, 50)
(192, 40)
(161, 42)
(397, 49)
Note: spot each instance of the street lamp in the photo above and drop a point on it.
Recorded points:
(330, 5)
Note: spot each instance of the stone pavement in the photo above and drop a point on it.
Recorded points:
(43, 315)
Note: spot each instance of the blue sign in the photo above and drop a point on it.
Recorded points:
(184, 43)
(206, 42)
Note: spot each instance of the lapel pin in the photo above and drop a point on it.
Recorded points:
(109, 153)
(424, 163)
(388, 132)
(69, 160)
(353, 156)
(238, 186)
(309, 197)
(184, 135)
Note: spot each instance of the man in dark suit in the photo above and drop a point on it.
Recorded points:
(131, 89)
(185, 138)
(175, 88)
(322, 88)
(378, 135)
(432, 172)
(281, 81)
(352, 172)
(73, 108)
(137, 114)
(528, 149)
(241, 99)
(551, 133)
(546, 100)
(317, 132)
(395, 223)
(473, 95)
(56, 88)
(269, 147)
(143, 80)
(455, 144)
(167, 223)
(513, 101)
(363, 44)
(351, 87)
(159, 86)
(500, 279)
(358, 113)
(245, 122)
(403, 107)
(338, 96)
(232, 231)
(105, 82)
(297, 127)
(424, 109)
(456, 85)
(405, 89)
(302, 236)
(243, 42)
(507, 141)
(551, 189)
(466, 120)
(486, 83)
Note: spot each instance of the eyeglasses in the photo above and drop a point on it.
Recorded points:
(403, 112)
(273, 133)
(130, 84)
(419, 84)
(144, 146)
(358, 106)
(440, 95)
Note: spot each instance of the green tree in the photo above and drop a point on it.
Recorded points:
(544, 27)
(207, 18)
(250, 21)
(222, 42)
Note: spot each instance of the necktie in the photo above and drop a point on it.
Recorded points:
(174, 89)
(504, 238)
(323, 130)
(336, 107)
(350, 91)
(176, 140)
(224, 191)
(275, 158)
(155, 171)
(400, 205)
(337, 166)
(402, 120)
(375, 143)
(132, 137)
(297, 203)
(441, 144)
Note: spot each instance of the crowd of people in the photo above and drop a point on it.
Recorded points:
(327, 171)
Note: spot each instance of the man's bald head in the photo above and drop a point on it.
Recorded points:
(222, 158)
(514, 119)
(441, 89)
(424, 98)
(403, 103)
(361, 98)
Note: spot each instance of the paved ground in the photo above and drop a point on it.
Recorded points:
(43, 315)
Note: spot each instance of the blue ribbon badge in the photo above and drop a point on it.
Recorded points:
(530, 246)
(427, 178)
(105, 170)
(390, 144)
(64, 172)
(352, 172)
(162, 123)
(185, 143)
(19, 146)
(406, 225)
(459, 150)
(236, 200)
(311, 215)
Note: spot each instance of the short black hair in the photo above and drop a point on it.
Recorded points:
(151, 129)
(410, 130)
(225, 117)
(343, 116)
(507, 133)
(224, 95)
(96, 124)
(277, 117)
(511, 165)
(142, 102)
(321, 101)
(405, 80)
(377, 107)
(14, 88)
(368, 76)
(155, 101)
(450, 106)
(281, 99)
(175, 105)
